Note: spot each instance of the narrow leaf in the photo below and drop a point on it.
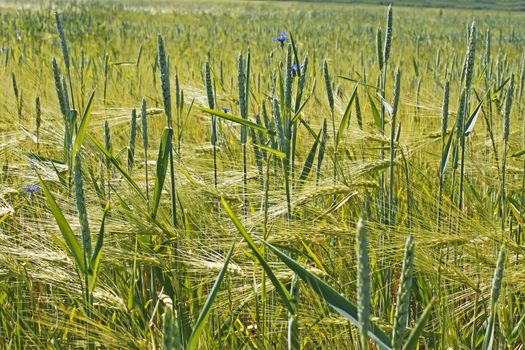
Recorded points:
(82, 129)
(472, 120)
(375, 112)
(308, 163)
(346, 117)
(342, 305)
(233, 118)
(97, 253)
(446, 155)
(203, 316)
(273, 151)
(281, 290)
(72, 243)
(413, 338)
(162, 167)
(117, 165)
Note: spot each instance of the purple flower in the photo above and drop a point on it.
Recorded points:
(4, 49)
(225, 109)
(32, 189)
(281, 38)
(295, 68)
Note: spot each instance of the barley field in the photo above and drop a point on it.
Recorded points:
(262, 175)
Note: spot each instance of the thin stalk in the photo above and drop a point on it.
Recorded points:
(444, 126)
(393, 124)
(506, 131)
(469, 66)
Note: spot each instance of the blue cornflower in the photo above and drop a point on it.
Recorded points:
(281, 38)
(225, 109)
(32, 189)
(295, 68)
(4, 49)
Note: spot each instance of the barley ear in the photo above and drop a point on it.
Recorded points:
(241, 81)
(81, 208)
(379, 47)
(358, 114)
(107, 142)
(328, 85)
(403, 295)
(471, 56)
(164, 79)
(397, 92)
(144, 122)
(63, 43)
(132, 138)
(363, 283)
(494, 296)
(508, 107)
(444, 113)
(209, 86)
(388, 35)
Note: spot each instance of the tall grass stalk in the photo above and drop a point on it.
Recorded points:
(469, 75)
(80, 201)
(109, 147)
(179, 104)
(38, 121)
(242, 81)
(393, 130)
(65, 54)
(384, 58)
(145, 143)
(18, 96)
(506, 132)
(402, 309)
(363, 283)
(495, 292)
(320, 155)
(211, 104)
(444, 152)
(66, 113)
(166, 97)
(330, 96)
(132, 139)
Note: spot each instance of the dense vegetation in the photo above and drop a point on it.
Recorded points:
(496, 5)
(194, 175)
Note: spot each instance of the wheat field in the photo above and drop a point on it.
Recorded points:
(262, 175)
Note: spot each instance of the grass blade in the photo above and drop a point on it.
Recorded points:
(72, 243)
(162, 167)
(469, 126)
(281, 290)
(308, 163)
(375, 112)
(342, 305)
(233, 118)
(117, 165)
(413, 338)
(97, 252)
(82, 129)
(346, 117)
(402, 309)
(273, 151)
(203, 316)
